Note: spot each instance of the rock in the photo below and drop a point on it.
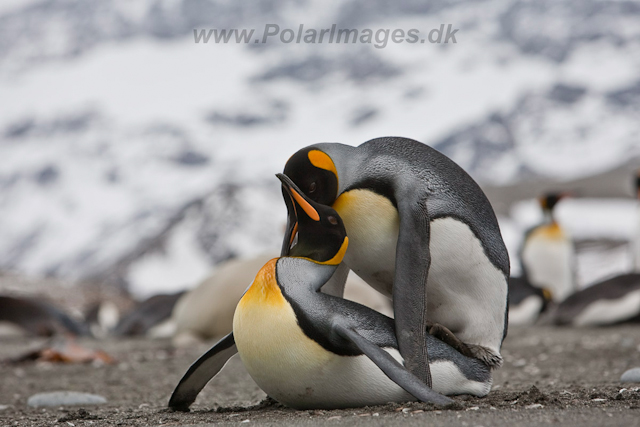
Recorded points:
(534, 406)
(631, 376)
(62, 398)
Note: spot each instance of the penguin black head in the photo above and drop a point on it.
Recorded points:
(315, 174)
(550, 200)
(321, 233)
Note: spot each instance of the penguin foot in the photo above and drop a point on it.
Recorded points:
(445, 335)
(485, 355)
(488, 357)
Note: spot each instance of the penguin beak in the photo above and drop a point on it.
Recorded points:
(292, 223)
(294, 199)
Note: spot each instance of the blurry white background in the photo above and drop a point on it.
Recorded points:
(132, 156)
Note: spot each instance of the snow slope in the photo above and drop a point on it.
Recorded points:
(134, 156)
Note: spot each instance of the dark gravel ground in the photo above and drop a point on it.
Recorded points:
(561, 376)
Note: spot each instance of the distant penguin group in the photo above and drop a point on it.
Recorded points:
(548, 283)
(415, 227)
(610, 301)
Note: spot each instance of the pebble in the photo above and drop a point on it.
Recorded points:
(62, 398)
(631, 376)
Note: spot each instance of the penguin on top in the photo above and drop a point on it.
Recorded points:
(422, 232)
(547, 254)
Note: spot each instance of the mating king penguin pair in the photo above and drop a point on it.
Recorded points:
(422, 232)
(308, 349)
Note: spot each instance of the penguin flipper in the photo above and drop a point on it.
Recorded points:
(410, 287)
(392, 368)
(201, 372)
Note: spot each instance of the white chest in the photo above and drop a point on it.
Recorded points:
(548, 256)
(465, 291)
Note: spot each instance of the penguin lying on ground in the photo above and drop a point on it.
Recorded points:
(547, 254)
(308, 349)
(423, 232)
(150, 317)
(611, 301)
(38, 317)
(526, 302)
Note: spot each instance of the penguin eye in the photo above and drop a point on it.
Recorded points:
(312, 187)
(333, 220)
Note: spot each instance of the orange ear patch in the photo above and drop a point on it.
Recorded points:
(323, 161)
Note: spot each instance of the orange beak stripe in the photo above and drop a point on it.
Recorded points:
(313, 214)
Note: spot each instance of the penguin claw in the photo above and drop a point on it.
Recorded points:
(479, 352)
(488, 357)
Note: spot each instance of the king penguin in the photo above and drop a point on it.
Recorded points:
(422, 232)
(547, 254)
(307, 349)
